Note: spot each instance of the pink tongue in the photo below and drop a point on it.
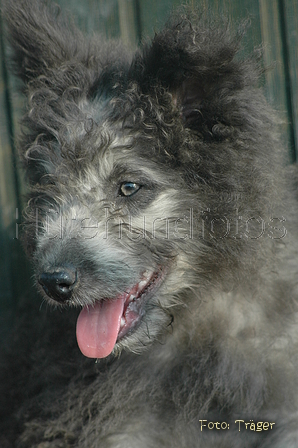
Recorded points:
(98, 327)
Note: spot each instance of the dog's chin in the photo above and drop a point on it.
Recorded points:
(144, 335)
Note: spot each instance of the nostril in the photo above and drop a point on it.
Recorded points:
(59, 283)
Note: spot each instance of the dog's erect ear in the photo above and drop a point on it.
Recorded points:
(39, 36)
(194, 58)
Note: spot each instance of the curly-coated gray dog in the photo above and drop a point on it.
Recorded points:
(160, 226)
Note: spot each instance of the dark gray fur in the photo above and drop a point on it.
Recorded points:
(183, 117)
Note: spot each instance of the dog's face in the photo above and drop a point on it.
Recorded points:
(107, 239)
(113, 227)
(132, 160)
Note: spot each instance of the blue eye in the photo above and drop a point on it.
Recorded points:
(129, 188)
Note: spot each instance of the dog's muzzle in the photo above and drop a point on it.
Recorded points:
(60, 283)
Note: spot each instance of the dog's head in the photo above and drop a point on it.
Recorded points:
(140, 166)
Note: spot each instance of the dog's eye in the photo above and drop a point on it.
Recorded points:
(129, 188)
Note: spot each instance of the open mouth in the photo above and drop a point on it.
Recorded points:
(102, 325)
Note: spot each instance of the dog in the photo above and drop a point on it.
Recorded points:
(161, 226)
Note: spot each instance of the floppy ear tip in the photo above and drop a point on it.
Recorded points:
(39, 36)
(195, 57)
(21, 42)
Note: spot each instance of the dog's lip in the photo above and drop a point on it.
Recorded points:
(135, 300)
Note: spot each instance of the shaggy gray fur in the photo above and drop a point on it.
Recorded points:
(167, 162)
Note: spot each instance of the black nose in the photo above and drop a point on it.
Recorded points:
(60, 283)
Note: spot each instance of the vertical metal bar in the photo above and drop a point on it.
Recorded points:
(288, 86)
(9, 114)
(138, 19)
